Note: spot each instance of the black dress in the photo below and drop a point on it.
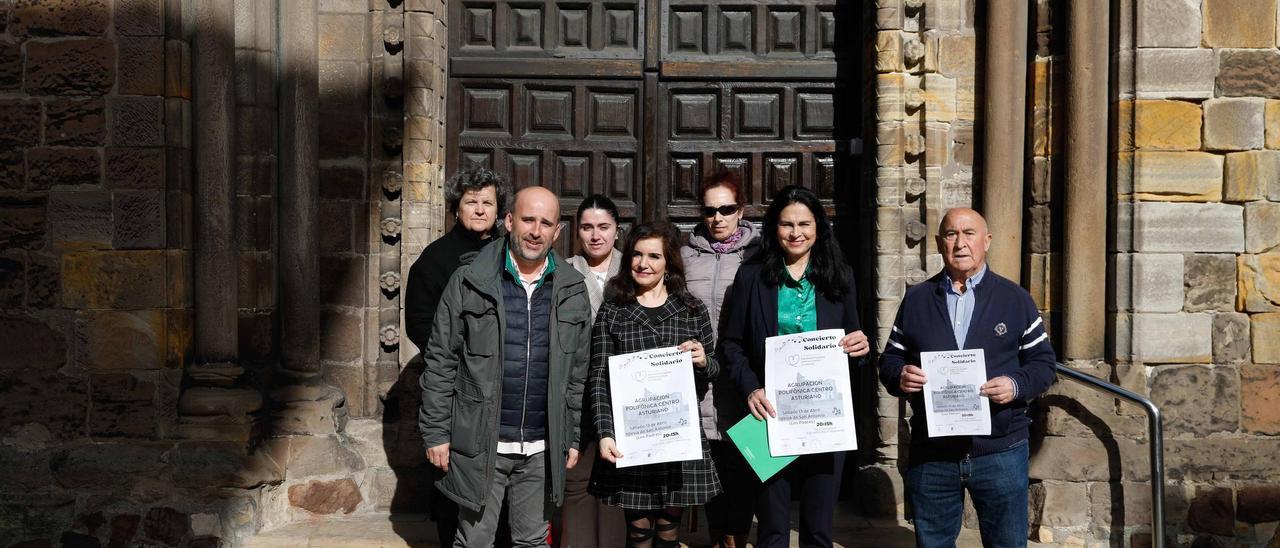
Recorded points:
(622, 329)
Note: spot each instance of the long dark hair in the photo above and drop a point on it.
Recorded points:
(621, 289)
(827, 269)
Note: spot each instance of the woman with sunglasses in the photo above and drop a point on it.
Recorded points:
(715, 249)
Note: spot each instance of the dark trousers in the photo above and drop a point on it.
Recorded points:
(817, 480)
(730, 512)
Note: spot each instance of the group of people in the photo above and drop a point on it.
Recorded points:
(516, 340)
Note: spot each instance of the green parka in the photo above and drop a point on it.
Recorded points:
(462, 379)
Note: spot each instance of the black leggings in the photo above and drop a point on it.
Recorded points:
(643, 524)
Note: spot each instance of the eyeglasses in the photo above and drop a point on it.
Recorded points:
(726, 210)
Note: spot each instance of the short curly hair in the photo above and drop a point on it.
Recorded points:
(476, 178)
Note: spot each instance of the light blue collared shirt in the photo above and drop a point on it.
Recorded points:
(960, 305)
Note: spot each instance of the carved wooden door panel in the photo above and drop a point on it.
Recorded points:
(640, 100)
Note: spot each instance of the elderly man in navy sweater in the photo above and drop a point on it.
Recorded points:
(966, 306)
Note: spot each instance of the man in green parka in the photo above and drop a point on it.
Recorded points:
(502, 386)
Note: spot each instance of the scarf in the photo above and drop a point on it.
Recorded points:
(729, 243)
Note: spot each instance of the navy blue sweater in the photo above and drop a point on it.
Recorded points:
(1006, 325)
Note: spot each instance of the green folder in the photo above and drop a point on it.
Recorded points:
(752, 438)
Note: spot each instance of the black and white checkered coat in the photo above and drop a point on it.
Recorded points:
(622, 329)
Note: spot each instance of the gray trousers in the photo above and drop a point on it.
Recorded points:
(522, 481)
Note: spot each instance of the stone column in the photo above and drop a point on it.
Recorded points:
(214, 407)
(306, 402)
(1085, 263)
(1005, 118)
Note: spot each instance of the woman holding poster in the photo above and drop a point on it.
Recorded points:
(648, 307)
(799, 282)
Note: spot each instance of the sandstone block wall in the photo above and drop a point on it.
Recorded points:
(1194, 239)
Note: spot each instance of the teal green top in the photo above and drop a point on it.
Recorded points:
(797, 312)
(511, 266)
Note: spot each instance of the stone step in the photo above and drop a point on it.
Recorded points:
(413, 531)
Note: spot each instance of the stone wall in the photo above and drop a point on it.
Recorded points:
(1194, 230)
(924, 121)
(95, 240)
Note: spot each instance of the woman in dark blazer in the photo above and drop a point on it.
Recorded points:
(647, 307)
(799, 282)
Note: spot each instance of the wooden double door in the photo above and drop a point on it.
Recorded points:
(639, 100)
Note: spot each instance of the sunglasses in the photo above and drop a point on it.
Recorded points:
(726, 210)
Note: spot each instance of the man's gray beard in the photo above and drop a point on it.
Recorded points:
(514, 243)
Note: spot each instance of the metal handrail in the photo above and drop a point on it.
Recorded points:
(1155, 434)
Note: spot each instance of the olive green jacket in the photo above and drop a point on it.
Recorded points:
(462, 378)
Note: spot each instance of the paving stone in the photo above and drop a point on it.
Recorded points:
(1258, 283)
(139, 17)
(75, 122)
(1240, 23)
(143, 74)
(1266, 337)
(1230, 337)
(70, 67)
(137, 121)
(1260, 411)
(60, 17)
(1197, 399)
(1164, 73)
(1168, 23)
(1157, 282)
(1167, 125)
(22, 221)
(326, 497)
(1233, 123)
(1178, 176)
(10, 65)
(114, 279)
(21, 120)
(135, 168)
(1249, 73)
(1261, 226)
(50, 167)
(1271, 118)
(1164, 227)
(1249, 173)
(1173, 338)
(1210, 282)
